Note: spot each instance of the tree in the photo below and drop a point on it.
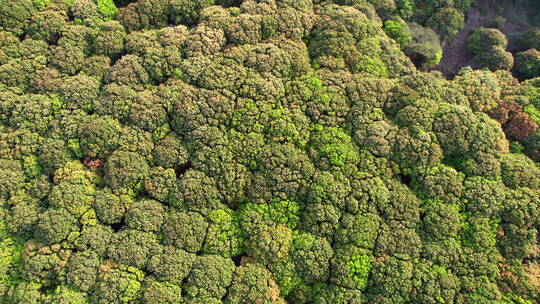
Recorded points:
(80, 92)
(32, 112)
(276, 151)
(107, 8)
(519, 171)
(425, 49)
(281, 171)
(399, 31)
(224, 236)
(172, 265)
(447, 22)
(145, 215)
(14, 17)
(110, 39)
(333, 147)
(210, 276)
(170, 152)
(187, 13)
(311, 256)
(441, 182)
(65, 295)
(531, 38)
(481, 88)
(82, 270)
(47, 24)
(359, 230)
(161, 184)
(96, 66)
(117, 285)
(143, 15)
(270, 245)
(94, 238)
(252, 283)
(133, 248)
(111, 208)
(84, 10)
(25, 292)
(388, 289)
(441, 221)
(483, 39)
(55, 225)
(527, 64)
(99, 137)
(350, 267)
(196, 45)
(197, 192)
(185, 230)
(495, 59)
(436, 284)
(128, 71)
(160, 292)
(126, 170)
(23, 214)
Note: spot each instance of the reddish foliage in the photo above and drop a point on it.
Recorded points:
(503, 112)
(516, 124)
(92, 162)
(520, 126)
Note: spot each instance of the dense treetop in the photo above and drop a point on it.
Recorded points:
(265, 151)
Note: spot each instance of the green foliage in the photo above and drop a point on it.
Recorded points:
(447, 22)
(252, 283)
(161, 292)
(484, 39)
(531, 39)
(224, 236)
(10, 258)
(405, 8)
(519, 171)
(276, 211)
(497, 22)
(533, 113)
(425, 49)
(31, 166)
(107, 9)
(39, 4)
(399, 31)
(55, 225)
(333, 147)
(311, 255)
(250, 152)
(119, 285)
(126, 170)
(209, 277)
(496, 59)
(527, 64)
(14, 15)
(359, 269)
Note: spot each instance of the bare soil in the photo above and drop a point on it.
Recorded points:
(517, 15)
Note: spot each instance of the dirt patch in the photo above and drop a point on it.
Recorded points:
(517, 15)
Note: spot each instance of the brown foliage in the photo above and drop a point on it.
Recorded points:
(516, 124)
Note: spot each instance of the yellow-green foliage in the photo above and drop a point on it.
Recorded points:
(107, 8)
(359, 269)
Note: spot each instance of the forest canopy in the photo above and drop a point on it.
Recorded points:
(266, 152)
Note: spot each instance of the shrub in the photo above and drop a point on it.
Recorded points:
(495, 59)
(484, 39)
(527, 64)
(399, 31)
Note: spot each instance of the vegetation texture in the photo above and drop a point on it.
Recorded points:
(264, 152)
